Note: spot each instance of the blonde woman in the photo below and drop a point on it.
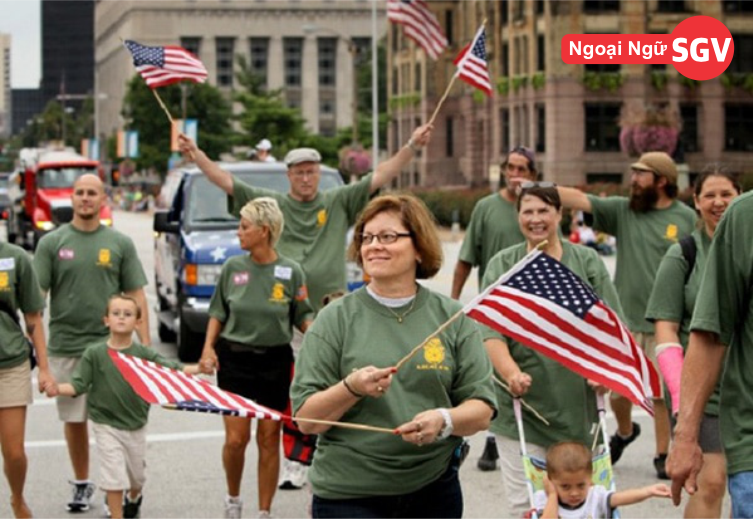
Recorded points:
(259, 297)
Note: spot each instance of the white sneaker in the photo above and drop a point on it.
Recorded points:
(233, 507)
(293, 475)
(265, 514)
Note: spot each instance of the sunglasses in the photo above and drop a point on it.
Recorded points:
(529, 185)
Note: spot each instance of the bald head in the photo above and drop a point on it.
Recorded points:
(87, 199)
(89, 180)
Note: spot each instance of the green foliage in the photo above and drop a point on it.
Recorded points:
(442, 203)
(519, 82)
(692, 84)
(595, 81)
(405, 100)
(659, 79)
(143, 114)
(478, 96)
(743, 80)
(503, 85)
(364, 95)
(538, 80)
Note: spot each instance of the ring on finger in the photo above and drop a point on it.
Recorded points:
(419, 426)
(380, 389)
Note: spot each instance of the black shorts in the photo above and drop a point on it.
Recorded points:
(262, 374)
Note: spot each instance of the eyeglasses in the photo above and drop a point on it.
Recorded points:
(529, 185)
(384, 238)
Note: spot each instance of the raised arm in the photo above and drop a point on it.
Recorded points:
(391, 167)
(462, 270)
(574, 199)
(216, 175)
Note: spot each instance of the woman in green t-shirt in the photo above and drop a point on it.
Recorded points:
(671, 309)
(346, 371)
(564, 398)
(258, 299)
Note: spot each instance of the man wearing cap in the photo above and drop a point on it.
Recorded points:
(645, 225)
(316, 222)
(262, 151)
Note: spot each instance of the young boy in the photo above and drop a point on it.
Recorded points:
(118, 414)
(569, 490)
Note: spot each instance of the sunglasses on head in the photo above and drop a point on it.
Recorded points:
(529, 185)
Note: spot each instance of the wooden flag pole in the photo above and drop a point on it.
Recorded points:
(164, 108)
(523, 402)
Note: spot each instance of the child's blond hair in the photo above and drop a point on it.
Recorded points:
(567, 456)
(123, 297)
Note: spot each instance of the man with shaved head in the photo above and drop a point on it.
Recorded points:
(82, 264)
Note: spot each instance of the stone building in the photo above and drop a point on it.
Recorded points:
(568, 113)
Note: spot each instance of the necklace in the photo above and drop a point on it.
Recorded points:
(400, 317)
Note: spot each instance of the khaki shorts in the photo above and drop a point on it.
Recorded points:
(122, 457)
(15, 386)
(70, 409)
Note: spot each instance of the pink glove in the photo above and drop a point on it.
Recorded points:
(669, 356)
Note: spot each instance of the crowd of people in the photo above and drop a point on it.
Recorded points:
(682, 285)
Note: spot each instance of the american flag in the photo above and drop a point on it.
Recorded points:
(159, 385)
(473, 67)
(160, 66)
(544, 305)
(420, 24)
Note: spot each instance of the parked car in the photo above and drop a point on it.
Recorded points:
(4, 198)
(195, 236)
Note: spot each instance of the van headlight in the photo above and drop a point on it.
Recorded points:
(195, 274)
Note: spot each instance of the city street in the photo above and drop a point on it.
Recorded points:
(185, 475)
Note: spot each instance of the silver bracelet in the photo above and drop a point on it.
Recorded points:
(412, 145)
(447, 429)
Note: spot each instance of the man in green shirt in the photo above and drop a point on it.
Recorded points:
(722, 327)
(316, 222)
(645, 225)
(82, 264)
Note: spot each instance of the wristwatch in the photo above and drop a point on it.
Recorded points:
(447, 428)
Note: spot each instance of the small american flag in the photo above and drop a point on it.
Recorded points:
(159, 385)
(544, 305)
(473, 67)
(420, 24)
(160, 66)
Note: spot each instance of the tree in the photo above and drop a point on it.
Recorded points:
(203, 102)
(364, 94)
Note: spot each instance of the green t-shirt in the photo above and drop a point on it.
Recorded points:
(19, 290)
(724, 306)
(493, 227)
(111, 400)
(558, 394)
(315, 232)
(673, 300)
(642, 241)
(259, 304)
(357, 331)
(82, 270)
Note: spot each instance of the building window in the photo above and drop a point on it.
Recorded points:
(525, 54)
(540, 53)
(603, 178)
(737, 6)
(602, 131)
(689, 135)
(326, 107)
(327, 59)
(540, 128)
(671, 6)
(259, 52)
(519, 11)
(742, 60)
(504, 130)
(449, 137)
(224, 48)
(192, 44)
(738, 127)
(363, 50)
(600, 6)
(395, 81)
(449, 23)
(504, 60)
(293, 53)
(417, 77)
(539, 7)
(503, 12)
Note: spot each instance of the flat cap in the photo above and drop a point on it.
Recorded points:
(299, 155)
(658, 162)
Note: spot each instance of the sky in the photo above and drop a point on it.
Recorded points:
(22, 20)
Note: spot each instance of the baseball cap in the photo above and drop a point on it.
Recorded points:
(658, 162)
(264, 144)
(299, 155)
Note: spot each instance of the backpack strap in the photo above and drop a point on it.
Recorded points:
(689, 251)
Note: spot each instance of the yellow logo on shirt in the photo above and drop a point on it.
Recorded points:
(104, 258)
(278, 293)
(321, 218)
(671, 232)
(4, 281)
(434, 355)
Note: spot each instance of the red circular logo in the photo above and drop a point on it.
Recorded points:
(702, 48)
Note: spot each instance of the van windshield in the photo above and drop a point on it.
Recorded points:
(58, 178)
(207, 204)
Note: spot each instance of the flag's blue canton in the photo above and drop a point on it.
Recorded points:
(549, 279)
(199, 407)
(479, 48)
(143, 55)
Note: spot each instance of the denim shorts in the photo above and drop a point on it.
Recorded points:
(741, 492)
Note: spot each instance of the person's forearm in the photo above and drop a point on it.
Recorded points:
(703, 362)
(574, 199)
(462, 270)
(216, 175)
(304, 326)
(666, 331)
(471, 417)
(552, 508)
(391, 167)
(214, 327)
(35, 331)
(66, 389)
(142, 329)
(502, 361)
(329, 404)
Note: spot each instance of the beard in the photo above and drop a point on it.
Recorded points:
(643, 199)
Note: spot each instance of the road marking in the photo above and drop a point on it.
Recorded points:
(151, 438)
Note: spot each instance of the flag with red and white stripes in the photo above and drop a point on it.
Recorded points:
(544, 305)
(419, 23)
(160, 66)
(159, 385)
(473, 67)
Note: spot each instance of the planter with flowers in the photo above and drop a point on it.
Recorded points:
(651, 129)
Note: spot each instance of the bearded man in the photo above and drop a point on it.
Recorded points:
(645, 225)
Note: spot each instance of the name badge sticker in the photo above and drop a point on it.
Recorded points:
(283, 272)
(7, 263)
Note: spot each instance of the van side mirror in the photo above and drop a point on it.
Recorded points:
(162, 224)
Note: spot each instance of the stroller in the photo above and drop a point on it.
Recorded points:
(535, 468)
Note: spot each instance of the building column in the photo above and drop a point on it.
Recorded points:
(310, 83)
(275, 73)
